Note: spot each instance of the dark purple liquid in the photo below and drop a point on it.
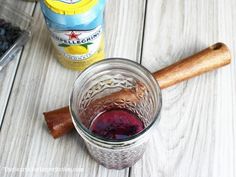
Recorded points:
(116, 124)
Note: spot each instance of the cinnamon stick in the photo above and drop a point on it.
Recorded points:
(59, 121)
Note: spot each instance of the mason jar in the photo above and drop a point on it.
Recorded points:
(115, 84)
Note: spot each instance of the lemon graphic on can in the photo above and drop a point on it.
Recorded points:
(76, 50)
(80, 49)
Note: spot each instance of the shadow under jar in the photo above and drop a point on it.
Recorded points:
(115, 85)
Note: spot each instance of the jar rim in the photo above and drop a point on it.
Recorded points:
(109, 61)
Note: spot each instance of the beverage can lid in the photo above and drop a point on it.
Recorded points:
(70, 7)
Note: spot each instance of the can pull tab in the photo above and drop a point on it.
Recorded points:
(14, 49)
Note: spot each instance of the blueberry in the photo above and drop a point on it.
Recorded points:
(5, 45)
(8, 35)
(2, 22)
(11, 39)
(16, 29)
(2, 38)
(7, 26)
(2, 31)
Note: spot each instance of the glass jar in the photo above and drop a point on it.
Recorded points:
(111, 84)
(76, 29)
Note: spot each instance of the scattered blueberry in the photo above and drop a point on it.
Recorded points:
(8, 35)
(2, 22)
(2, 31)
(7, 26)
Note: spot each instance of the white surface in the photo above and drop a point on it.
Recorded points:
(197, 133)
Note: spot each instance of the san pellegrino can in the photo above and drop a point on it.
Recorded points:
(76, 29)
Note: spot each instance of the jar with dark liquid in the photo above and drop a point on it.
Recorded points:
(115, 104)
